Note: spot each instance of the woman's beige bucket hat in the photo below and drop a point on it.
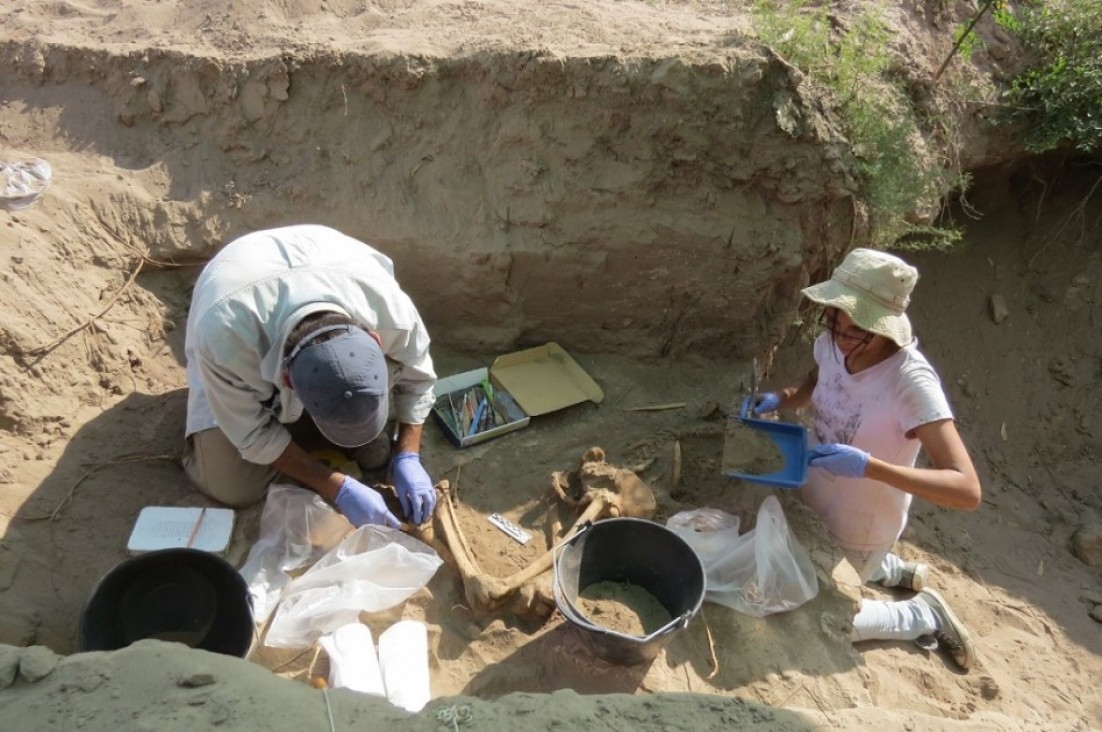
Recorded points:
(874, 289)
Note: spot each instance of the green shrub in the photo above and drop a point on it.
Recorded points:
(850, 70)
(1058, 99)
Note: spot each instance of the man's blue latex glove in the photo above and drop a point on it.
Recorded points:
(843, 460)
(764, 403)
(362, 505)
(415, 490)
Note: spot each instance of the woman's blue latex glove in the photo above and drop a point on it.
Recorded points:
(415, 490)
(764, 403)
(843, 460)
(362, 505)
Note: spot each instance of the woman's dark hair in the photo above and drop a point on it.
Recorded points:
(827, 320)
(316, 321)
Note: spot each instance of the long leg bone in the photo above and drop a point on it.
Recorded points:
(483, 591)
(604, 490)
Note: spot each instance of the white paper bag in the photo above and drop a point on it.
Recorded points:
(404, 658)
(353, 663)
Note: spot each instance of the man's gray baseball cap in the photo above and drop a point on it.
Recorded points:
(343, 384)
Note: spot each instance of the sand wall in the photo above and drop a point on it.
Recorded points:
(643, 206)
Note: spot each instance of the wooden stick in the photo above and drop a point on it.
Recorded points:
(964, 34)
(675, 472)
(657, 407)
(195, 529)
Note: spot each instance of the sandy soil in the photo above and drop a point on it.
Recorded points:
(92, 428)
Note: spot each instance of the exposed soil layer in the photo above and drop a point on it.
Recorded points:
(614, 178)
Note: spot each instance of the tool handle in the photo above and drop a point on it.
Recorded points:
(477, 417)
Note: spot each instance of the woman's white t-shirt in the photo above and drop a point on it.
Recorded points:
(874, 410)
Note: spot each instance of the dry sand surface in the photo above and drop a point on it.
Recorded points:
(92, 428)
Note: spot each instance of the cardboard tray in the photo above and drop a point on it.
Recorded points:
(791, 441)
(526, 384)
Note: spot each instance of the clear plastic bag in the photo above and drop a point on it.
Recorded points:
(296, 529)
(709, 531)
(762, 572)
(23, 182)
(371, 569)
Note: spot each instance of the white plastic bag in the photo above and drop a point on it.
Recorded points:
(22, 182)
(762, 572)
(372, 569)
(296, 528)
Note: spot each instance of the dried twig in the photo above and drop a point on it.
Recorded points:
(624, 394)
(1077, 211)
(810, 693)
(43, 350)
(96, 467)
(455, 486)
(288, 662)
(313, 661)
(657, 407)
(711, 648)
(142, 262)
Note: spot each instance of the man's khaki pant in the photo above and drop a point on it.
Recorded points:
(217, 469)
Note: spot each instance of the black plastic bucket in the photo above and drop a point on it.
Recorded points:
(636, 552)
(184, 595)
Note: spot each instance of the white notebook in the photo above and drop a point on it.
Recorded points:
(171, 527)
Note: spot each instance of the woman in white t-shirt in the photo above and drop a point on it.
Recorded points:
(878, 401)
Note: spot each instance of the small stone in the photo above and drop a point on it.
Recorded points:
(989, 689)
(997, 306)
(1095, 613)
(219, 715)
(18, 624)
(194, 681)
(1087, 545)
(92, 681)
(37, 662)
(9, 664)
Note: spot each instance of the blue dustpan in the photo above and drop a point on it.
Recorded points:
(791, 440)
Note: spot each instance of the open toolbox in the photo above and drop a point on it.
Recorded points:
(479, 405)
